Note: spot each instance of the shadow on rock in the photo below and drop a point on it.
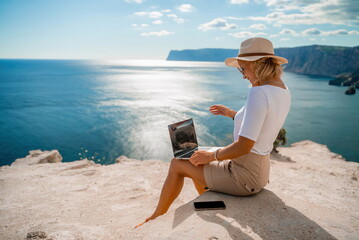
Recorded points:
(262, 216)
(279, 157)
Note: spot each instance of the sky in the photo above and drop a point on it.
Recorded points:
(149, 29)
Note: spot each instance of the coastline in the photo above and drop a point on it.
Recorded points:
(312, 194)
(95, 108)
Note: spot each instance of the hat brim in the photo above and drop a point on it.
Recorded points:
(233, 61)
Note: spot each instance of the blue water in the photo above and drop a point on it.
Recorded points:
(105, 109)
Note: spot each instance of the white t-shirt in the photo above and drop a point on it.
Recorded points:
(263, 115)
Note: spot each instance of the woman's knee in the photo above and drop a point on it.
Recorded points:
(176, 166)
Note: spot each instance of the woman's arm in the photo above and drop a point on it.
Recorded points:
(234, 150)
(222, 110)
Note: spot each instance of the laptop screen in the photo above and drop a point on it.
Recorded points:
(183, 137)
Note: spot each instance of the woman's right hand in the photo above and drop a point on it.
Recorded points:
(219, 109)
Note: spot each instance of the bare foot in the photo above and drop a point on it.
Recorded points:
(139, 225)
(147, 219)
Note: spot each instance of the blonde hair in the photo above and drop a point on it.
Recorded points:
(265, 69)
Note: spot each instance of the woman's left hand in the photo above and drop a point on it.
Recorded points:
(201, 158)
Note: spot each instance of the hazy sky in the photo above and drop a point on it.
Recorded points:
(121, 29)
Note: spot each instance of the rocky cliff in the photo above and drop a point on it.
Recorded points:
(312, 60)
(346, 79)
(312, 195)
(321, 60)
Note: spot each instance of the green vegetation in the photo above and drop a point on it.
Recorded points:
(281, 139)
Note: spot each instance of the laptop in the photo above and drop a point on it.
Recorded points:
(184, 139)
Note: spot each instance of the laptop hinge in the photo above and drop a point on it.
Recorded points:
(195, 149)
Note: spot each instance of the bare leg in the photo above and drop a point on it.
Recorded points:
(174, 183)
(199, 187)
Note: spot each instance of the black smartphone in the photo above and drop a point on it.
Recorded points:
(209, 205)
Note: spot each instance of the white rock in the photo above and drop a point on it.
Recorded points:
(311, 195)
(38, 156)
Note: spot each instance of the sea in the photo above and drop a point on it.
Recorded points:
(103, 109)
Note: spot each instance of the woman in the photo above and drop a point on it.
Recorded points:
(241, 168)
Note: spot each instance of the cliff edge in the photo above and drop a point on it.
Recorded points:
(312, 195)
(317, 60)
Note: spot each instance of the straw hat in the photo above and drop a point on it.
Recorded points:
(253, 49)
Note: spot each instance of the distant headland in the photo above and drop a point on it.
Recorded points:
(341, 63)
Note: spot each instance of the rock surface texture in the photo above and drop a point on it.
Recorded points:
(313, 194)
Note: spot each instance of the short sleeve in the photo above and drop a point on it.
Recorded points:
(255, 113)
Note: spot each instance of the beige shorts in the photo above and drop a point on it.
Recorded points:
(242, 176)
